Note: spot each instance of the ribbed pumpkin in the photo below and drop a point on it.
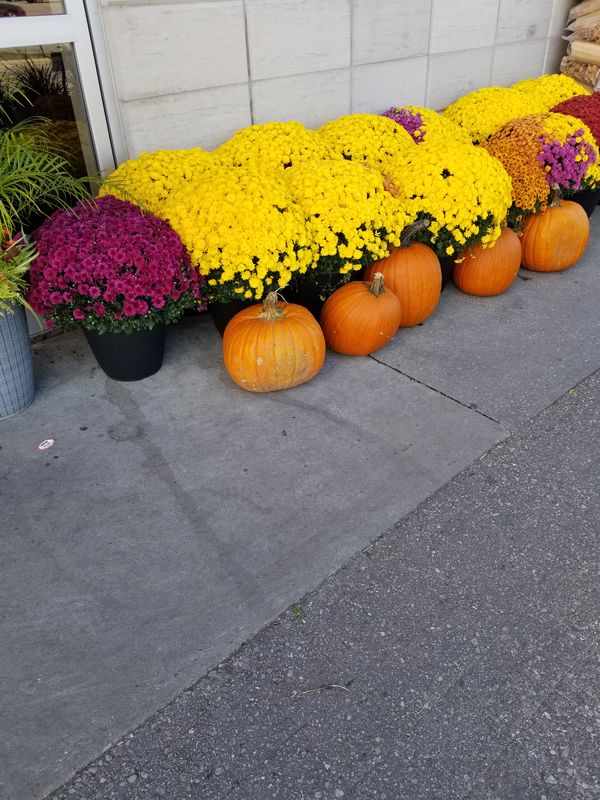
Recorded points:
(555, 239)
(413, 274)
(360, 317)
(272, 346)
(488, 271)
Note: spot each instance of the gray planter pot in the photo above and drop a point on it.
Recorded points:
(16, 363)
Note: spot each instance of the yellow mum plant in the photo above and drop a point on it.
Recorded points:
(483, 112)
(352, 218)
(545, 92)
(243, 231)
(152, 178)
(426, 125)
(365, 137)
(274, 145)
(460, 188)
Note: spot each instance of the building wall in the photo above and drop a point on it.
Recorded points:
(191, 72)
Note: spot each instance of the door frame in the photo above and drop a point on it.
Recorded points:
(81, 27)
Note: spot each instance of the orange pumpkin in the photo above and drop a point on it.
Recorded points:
(555, 239)
(272, 346)
(488, 271)
(413, 274)
(360, 317)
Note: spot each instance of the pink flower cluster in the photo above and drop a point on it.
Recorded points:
(106, 260)
(566, 169)
(411, 122)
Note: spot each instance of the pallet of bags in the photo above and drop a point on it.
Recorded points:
(582, 61)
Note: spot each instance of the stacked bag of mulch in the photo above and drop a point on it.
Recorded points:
(582, 61)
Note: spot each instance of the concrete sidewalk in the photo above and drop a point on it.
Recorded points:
(175, 517)
(455, 659)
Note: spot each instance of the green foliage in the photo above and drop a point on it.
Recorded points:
(37, 79)
(15, 259)
(35, 178)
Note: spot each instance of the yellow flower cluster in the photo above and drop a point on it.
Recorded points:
(351, 218)
(152, 178)
(275, 145)
(460, 188)
(365, 137)
(545, 92)
(243, 231)
(436, 127)
(483, 112)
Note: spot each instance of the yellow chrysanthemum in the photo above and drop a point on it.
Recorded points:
(352, 219)
(365, 137)
(434, 127)
(483, 112)
(275, 145)
(545, 92)
(152, 178)
(460, 188)
(243, 231)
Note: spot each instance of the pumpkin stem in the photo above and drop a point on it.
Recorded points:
(554, 198)
(270, 309)
(411, 231)
(376, 288)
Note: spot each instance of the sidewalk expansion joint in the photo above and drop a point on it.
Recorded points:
(443, 394)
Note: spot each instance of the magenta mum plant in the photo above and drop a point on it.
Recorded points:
(564, 164)
(411, 121)
(111, 268)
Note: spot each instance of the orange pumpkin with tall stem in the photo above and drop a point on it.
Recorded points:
(413, 274)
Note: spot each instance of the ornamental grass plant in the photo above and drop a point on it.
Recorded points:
(111, 268)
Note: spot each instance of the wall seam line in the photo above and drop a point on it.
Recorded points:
(249, 79)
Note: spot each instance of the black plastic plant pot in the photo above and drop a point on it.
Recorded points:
(128, 356)
(311, 292)
(447, 266)
(588, 200)
(223, 313)
(308, 294)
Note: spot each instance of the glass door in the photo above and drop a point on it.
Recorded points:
(46, 51)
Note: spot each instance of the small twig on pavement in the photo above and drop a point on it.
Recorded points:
(322, 688)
